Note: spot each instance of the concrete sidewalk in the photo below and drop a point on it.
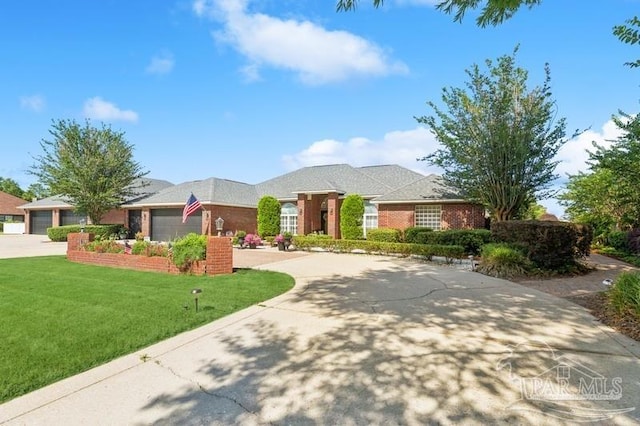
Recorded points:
(366, 340)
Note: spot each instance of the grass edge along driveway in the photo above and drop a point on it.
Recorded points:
(59, 318)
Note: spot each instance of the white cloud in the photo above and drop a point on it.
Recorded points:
(100, 109)
(161, 64)
(33, 103)
(317, 55)
(573, 155)
(400, 147)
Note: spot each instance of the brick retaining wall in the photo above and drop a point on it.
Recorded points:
(219, 257)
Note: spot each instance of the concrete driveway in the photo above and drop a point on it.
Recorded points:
(366, 340)
(28, 246)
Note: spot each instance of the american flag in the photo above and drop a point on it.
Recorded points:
(192, 205)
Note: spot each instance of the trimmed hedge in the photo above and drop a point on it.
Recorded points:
(471, 239)
(450, 252)
(268, 216)
(411, 234)
(388, 235)
(351, 213)
(59, 233)
(549, 245)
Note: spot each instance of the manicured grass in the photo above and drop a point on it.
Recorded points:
(59, 318)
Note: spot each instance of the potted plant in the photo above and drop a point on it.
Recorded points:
(287, 239)
(252, 240)
(240, 235)
(280, 241)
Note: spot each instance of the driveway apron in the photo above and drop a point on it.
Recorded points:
(366, 340)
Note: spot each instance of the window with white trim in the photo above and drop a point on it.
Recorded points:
(428, 216)
(370, 218)
(289, 218)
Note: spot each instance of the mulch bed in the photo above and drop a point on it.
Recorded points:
(626, 323)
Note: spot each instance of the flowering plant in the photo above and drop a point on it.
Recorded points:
(279, 238)
(252, 239)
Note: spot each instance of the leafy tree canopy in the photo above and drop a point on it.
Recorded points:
(498, 138)
(92, 167)
(493, 12)
(10, 186)
(609, 194)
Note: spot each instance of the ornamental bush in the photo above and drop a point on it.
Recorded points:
(625, 293)
(351, 213)
(503, 261)
(471, 239)
(268, 216)
(549, 245)
(189, 249)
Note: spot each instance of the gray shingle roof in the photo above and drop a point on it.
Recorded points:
(429, 188)
(342, 178)
(208, 191)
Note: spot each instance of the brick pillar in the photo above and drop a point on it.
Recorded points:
(333, 218)
(77, 239)
(219, 256)
(146, 223)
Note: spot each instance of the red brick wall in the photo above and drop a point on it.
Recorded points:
(462, 216)
(398, 216)
(219, 257)
(454, 216)
(118, 216)
(235, 219)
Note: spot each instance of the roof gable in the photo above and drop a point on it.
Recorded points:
(429, 188)
(10, 204)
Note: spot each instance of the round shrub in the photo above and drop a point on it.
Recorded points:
(503, 261)
(411, 234)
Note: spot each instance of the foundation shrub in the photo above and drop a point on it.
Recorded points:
(388, 235)
(411, 234)
(471, 239)
(351, 213)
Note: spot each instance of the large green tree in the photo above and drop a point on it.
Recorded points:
(498, 138)
(10, 186)
(93, 167)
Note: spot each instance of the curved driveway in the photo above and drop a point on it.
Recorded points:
(366, 340)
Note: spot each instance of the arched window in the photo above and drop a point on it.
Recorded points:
(370, 218)
(289, 218)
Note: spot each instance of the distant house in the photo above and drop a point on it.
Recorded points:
(10, 210)
(311, 197)
(58, 211)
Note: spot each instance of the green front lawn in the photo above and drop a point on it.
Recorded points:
(59, 318)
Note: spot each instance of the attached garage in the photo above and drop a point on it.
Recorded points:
(69, 217)
(39, 221)
(166, 224)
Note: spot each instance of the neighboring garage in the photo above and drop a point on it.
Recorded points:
(166, 224)
(39, 221)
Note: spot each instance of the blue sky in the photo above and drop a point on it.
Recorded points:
(248, 90)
